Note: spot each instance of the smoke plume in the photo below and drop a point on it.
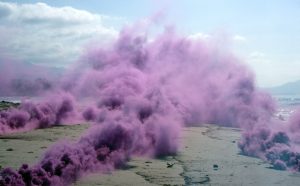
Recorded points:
(138, 94)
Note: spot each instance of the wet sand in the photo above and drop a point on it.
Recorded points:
(209, 156)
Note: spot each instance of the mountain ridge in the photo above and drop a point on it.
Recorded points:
(287, 88)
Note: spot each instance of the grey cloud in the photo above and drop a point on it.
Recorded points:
(39, 33)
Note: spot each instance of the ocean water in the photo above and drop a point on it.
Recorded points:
(16, 99)
(287, 105)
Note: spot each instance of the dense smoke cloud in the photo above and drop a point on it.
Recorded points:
(29, 115)
(139, 94)
(275, 142)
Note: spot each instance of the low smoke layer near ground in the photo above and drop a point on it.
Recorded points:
(209, 155)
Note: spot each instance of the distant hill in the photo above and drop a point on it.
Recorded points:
(287, 88)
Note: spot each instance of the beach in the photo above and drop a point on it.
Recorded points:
(208, 156)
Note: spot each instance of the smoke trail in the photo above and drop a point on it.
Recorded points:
(29, 115)
(276, 142)
(139, 94)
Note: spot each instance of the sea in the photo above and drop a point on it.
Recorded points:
(15, 99)
(287, 105)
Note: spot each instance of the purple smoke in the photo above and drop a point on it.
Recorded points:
(25, 79)
(29, 115)
(274, 141)
(138, 94)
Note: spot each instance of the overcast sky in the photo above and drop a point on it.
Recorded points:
(265, 34)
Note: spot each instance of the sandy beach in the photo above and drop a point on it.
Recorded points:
(209, 156)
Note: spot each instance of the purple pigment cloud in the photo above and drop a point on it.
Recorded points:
(138, 94)
(29, 115)
(274, 141)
